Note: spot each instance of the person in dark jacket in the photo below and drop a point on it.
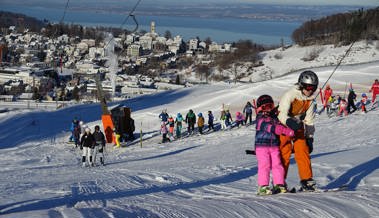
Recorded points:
(87, 144)
(248, 110)
(99, 145)
(130, 128)
(164, 116)
(210, 121)
(350, 101)
(191, 120)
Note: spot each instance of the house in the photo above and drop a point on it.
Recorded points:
(133, 50)
(193, 44)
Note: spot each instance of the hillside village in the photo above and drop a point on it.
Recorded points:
(64, 68)
(51, 67)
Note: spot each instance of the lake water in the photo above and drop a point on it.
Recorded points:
(218, 29)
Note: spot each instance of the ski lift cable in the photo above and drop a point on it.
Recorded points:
(130, 14)
(64, 12)
(336, 67)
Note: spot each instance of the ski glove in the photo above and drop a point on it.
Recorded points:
(310, 144)
(294, 124)
(282, 130)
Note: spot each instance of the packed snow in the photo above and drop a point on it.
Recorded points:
(198, 176)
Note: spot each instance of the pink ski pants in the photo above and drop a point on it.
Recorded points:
(269, 160)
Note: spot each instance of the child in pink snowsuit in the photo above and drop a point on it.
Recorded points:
(239, 118)
(343, 108)
(268, 129)
(164, 132)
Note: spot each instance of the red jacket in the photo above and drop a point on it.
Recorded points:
(375, 88)
(327, 93)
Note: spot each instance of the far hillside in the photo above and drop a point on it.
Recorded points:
(20, 21)
(342, 28)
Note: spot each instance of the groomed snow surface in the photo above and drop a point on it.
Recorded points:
(198, 176)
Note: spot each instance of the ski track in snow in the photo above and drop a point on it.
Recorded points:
(197, 176)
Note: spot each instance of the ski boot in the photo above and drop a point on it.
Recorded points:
(264, 190)
(279, 189)
(308, 185)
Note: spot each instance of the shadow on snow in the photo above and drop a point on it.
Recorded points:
(37, 126)
(71, 200)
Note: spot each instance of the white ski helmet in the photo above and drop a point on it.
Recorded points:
(88, 130)
(81, 123)
(308, 77)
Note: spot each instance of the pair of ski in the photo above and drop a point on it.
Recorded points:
(301, 190)
(318, 190)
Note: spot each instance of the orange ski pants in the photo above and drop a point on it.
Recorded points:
(296, 145)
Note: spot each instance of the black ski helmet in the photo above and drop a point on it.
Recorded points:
(308, 77)
(264, 99)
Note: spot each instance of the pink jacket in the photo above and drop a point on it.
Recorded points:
(164, 129)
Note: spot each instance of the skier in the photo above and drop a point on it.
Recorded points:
(130, 128)
(178, 121)
(327, 93)
(375, 91)
(200, 122)
(164, 132)
(248, 110)
(82, 127)
(343, 108)
(222, 119)
(350, 101)
(228, 119)
(99, 145)
(171, 124)
(364, 101)
(116, 138)
(333, 106)
(267, 150)
(190, 120)
(163, 116)
(87, 145)
(210, 121)
(297, 111)
(239, 119)
(74, 124)
(77, 135)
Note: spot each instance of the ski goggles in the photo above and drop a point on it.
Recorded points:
(309, 87)
(267, 107)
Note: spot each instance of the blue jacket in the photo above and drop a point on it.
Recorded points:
(265, 131)
(163, 116)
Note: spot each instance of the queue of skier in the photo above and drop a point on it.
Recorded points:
(338, 106)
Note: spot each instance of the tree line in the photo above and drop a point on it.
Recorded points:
(341, 28)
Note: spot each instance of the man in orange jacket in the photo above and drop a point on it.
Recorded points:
(297, 111)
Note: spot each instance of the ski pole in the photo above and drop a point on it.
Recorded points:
(141, 135)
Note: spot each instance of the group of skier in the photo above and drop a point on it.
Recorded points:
(190, 119)
(337, 105)
(90, 143)
(168, 123)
